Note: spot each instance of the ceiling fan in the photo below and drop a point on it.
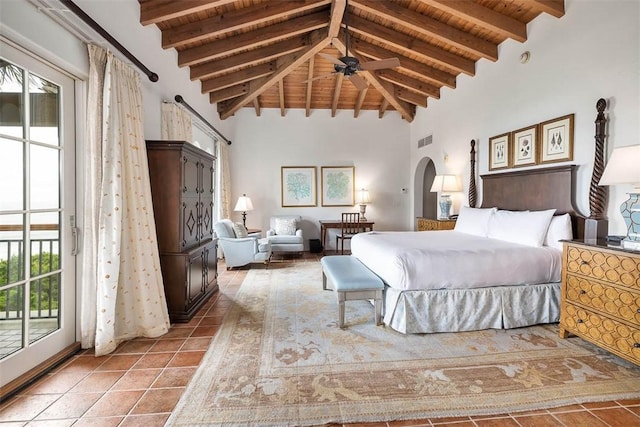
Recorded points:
(349, 66)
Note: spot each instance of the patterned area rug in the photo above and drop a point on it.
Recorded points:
(280, 359)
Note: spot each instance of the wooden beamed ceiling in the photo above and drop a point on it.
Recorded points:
(272, 53)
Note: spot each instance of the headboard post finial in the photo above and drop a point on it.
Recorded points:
(596, 225)
(473, 194)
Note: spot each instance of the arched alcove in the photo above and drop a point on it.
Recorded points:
(425, 202)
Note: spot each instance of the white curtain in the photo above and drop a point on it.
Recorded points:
(176, 123)
(224, 207)
(122, 291)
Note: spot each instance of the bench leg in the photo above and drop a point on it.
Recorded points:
(324, 281)
(378, 305)
(341, 298)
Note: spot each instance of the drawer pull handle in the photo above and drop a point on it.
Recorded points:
(584, 263)
(636, 345)
(582, 292)
(580, 321)
(638, 310)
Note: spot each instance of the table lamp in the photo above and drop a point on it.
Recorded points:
(624, 168)
(244, 205)
(445, 184)
(363, 200)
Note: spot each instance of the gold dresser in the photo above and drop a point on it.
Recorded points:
(425, 224)
(601, 297)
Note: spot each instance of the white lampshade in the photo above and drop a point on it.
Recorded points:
(623, 167)
(244, 204)
(362, 197)
(446, 184)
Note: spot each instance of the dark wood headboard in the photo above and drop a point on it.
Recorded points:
(534, 189)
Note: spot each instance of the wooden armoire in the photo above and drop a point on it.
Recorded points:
(182, 189)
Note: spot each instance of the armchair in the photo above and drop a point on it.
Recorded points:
(285, 233)
(241, 250)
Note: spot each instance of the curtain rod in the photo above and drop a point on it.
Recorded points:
(181, 100)
(104, 33)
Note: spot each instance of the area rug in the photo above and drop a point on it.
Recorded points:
(279, 358)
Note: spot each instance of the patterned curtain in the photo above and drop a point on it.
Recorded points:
(122, 291)
(175, 123)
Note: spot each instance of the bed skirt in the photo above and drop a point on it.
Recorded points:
(504, 307)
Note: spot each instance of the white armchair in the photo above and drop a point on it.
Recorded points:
(285, 233)
(239, 251)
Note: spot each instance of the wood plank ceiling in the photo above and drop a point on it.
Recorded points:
(271, 53)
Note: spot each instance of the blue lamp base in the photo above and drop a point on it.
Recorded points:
(445, 206)
(630, 211)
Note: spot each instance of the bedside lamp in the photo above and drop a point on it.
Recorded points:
(624, 168)
(363, 200)
(445, 184)
(244, 205)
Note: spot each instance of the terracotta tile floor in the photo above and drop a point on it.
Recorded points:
(141, 382)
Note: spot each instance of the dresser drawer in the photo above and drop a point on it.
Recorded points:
(609, 334)
(602, 297)
(610, 267)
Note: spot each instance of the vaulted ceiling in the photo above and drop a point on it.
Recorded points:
(283, 53)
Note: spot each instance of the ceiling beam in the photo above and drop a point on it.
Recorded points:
(256, 105)
(405, 42)
(412, 97)
(155, 11)
(383, 107)
(429, 27)
(552, 7)
(336, 93)
(415, 85)
(224, 23)
(284, 64)
(281, 96)
(385, 89)
(252, 57)
(361, 95)
(237, 77)
(309, 93)
(415, 67)
(228, 93)
(482, 16)
(337, 12)
(252, 39)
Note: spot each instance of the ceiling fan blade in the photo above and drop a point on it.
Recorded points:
(378, 65)
(358, 82)
(322, 76)
(331, 59)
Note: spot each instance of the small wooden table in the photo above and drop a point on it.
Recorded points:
(336, 223)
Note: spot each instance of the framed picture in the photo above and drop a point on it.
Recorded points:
(499, 152)
(557, 140)
(338, 186)
(298, 186)
(524, 150)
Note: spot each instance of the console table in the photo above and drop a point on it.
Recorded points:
(336, 223)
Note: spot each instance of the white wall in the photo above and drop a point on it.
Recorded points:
(376, 147)
(590, 53)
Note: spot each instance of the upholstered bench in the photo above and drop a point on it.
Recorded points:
(352, 280)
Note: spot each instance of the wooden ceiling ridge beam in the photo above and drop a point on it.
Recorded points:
(385, 89)
(224, 23)
(430, 27)
(336, 93)
(415, 85)
(338, 8)
(284, 64)
(405, 42)
(234, 44)
(228, 93)
(232, 79)
(552, 7)
(252, 57)
(156, 11)
(411, 65)
(482, 16)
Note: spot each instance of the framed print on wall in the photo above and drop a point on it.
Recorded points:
(557, 140)
(499, 152)
(298, 186)
(524, 150)
(338, 186)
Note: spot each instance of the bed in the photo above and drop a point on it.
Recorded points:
(450, 281)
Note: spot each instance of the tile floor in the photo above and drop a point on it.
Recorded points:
(141, 382)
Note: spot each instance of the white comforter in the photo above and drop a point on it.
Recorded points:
(453, 260)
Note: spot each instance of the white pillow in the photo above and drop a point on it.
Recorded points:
(285, 226)
(474, 220)
(240, 230)
(522, 227)
(559, 229)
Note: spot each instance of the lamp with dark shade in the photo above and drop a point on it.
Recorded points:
(445, 184)
(624, 168)
(244, 205)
